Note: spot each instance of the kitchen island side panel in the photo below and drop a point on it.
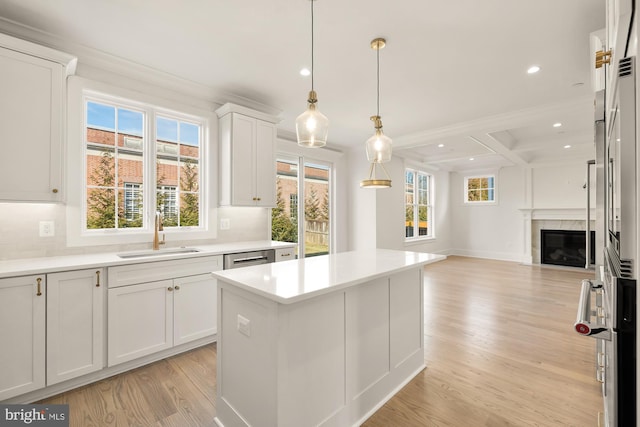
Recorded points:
(246, 363)
(311, 354)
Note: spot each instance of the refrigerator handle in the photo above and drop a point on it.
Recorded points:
(587, 239)
(583, 324)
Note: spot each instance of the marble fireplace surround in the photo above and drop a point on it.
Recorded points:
(551, 219)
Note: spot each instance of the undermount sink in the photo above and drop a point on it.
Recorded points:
(150, 253)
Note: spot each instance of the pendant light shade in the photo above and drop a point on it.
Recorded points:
(312, 127)
(379, 147)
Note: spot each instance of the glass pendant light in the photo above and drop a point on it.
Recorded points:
(379, 146)
(312, 127)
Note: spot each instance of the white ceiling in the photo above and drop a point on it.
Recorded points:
(453, 72)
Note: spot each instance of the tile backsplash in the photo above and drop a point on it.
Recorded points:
(20, 231)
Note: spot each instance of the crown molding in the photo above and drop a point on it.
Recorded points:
(90, 59)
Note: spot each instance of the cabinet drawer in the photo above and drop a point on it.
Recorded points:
(285, 254)
(124, 275)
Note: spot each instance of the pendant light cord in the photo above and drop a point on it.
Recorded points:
(378, 77)
(312, 44)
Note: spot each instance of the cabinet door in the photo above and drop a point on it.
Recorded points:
(140, 320)
(194, 308)
(265, 167)
(30, 107)
(243, 157)
(22, 335)
(75, 323)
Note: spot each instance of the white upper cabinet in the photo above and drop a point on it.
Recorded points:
(247, 157)
(32, 114)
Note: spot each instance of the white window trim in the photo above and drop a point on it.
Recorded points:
(465, 193)
(75, 168)
(432, 236)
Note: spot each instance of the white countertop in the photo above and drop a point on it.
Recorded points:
(296, 280)
(43, 265)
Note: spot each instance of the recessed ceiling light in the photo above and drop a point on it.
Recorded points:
(471, 158)
(557, 125)
(533, 69)
(305, 72)
(567, 146)
(440, 145)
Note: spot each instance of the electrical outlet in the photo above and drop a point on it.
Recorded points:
(47, 228)
(225, 224)
(244, 325)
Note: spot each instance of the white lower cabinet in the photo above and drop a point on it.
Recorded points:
(22, 335)
(75, 323)
(52, 326)
(140, 320)
(145, 318)
(195, 305)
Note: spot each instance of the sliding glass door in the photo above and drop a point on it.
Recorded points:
(303, 211)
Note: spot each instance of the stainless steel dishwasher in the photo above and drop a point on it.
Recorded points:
(245, 259)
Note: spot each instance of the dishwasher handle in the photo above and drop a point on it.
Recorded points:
(583, 324)
(250, 259)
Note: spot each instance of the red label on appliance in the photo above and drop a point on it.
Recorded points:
(583, 329)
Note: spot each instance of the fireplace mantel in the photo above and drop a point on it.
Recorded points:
(557, 218)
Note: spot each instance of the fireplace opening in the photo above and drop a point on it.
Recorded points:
(566, 247)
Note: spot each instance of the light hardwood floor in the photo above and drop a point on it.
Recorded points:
(500, 351)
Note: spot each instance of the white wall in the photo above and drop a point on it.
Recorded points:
(376, 216)
(559, 187)
(493, 230)
(361, 206)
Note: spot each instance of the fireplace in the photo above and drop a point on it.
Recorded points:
(566, 247)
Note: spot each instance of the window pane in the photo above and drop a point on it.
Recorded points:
(189, 179)
(316, 209)
(100, 167)
(474, 184)
(189, 210)
(284, 217)
(101, 116)
(130, 122)
(129, 208)
(129, 167)
(409, 221)
(167, 205)
(101, 208)
(189, 134)
(178, 172)
(423, 226)
(167, 129)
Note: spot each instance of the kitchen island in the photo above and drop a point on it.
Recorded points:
(320, 341)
